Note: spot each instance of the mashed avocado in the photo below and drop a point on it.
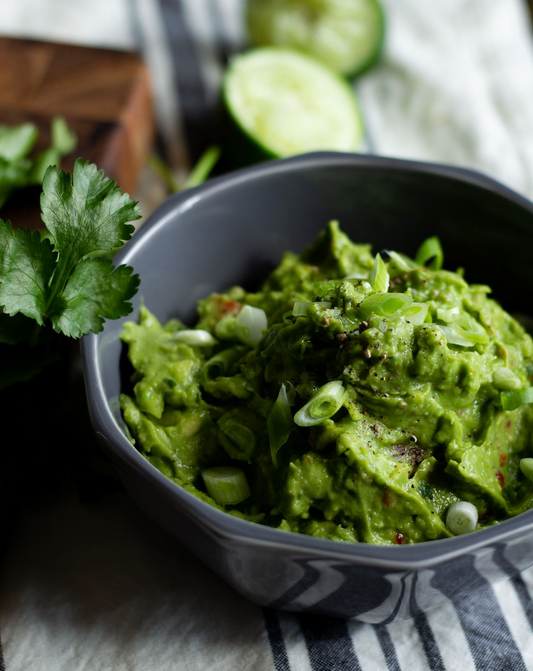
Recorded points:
(421, 362)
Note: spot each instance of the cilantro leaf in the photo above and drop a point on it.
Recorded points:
(60, 278)
(16, 142)
(63, 142)
(17, 168)
(94, 291)
(85, 215)
(26, 265)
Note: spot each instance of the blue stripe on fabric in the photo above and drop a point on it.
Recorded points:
(517, 582)
(159, 143)
(429, 643)
(198, 117)
(277, 644)
(425, 632)
(225, 47)
(329, 644)
(387, 646)
(487, 633)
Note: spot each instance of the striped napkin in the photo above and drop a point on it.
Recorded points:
(96, 586)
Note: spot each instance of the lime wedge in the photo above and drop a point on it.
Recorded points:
(347, 35)
(281, 103)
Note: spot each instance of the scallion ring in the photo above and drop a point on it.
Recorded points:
(250, 325)
(505, 380)
(461, 518)
(280, 423)
(455, 338)
(401, 261)
(448, 314)
(197, 337)
(526, 466)
(416, 313)
(464, 331)
(385, 305)
(430, 254)
(379, 275)
(511, 400)
(225, 328)
(220, 365)
(227, 485)
(322, 405)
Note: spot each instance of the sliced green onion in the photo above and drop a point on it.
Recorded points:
(355, 276)
(464, 331)
(455, 338)
(448, 314)
(379, 275)
(505, 380)
(220, 365)
(197, 337)
(461, 518)
(279, 423)
(470, 328)
(227, 485)
(321, 289)
(238, 440)
(250, 325)
(225, 328)
(511, 400)
(299, 308)
(402, 262)
(526, 466)
(416, 313)
(385, 305)
(322, 405)
(430, 254)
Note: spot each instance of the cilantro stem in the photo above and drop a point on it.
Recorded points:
(163, 171)
(56, 285)
(203, 168)
(199, 173)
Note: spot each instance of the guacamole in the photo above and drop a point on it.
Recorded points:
(352, 397)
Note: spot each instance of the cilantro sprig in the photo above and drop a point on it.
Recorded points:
(65, 278)
(17, 168)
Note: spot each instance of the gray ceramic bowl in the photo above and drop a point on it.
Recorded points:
(234, 230)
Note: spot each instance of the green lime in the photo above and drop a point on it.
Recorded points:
(347, 35)
(281, 103)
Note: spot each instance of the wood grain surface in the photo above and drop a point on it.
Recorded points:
(104, 96)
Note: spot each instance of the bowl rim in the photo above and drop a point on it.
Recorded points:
(236, 530)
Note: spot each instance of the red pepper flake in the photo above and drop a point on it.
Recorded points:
(399, 539)
(508, 424)
(227, 307)
(503, 458)
(500, 477)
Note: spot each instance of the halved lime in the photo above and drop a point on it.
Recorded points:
(347, 35)
(281, 103)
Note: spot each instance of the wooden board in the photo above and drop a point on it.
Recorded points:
(104, 96)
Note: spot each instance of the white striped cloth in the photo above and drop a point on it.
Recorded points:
(95, 586)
